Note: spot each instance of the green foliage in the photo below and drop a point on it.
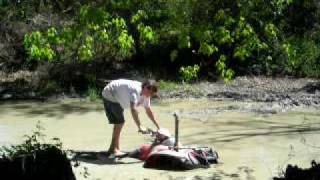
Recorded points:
(93, 92)
(125, 43)
(189, 73)
(184, 41)
(32, 144)
(147, 35)
(229, 37)
(271, 31)
(291, 54)
(85, 52)
(223, 36)
(50, 87)
(226, 73)
(94, 35)
(207, 49)
(139, 16)
(303, 57)
(167, 85)
(3, 2)
(38, 46)
(280, 5)
(248, 39)
(173, 55)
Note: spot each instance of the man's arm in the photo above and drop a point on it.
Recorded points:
(151, 116)
(135, 116)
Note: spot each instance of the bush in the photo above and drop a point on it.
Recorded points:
(306, 59)
(35, 160)
(189, 73)
(224, 37)
(167, 85)
(296, 173)
(50, 87)
(93, 93)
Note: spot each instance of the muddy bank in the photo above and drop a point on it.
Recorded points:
(285, 92)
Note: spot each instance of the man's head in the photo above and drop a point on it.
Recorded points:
(150, 88)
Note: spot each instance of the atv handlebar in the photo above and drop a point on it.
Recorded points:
(149, 131)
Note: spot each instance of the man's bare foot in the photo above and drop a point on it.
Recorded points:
(116, 153)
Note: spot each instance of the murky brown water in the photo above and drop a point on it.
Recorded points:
(250, 145)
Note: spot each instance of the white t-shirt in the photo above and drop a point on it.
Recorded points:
(125, 91)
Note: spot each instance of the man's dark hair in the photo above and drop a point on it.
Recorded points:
(151, 84)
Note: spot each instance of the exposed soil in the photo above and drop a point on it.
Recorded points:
(274, 94)
(286, 91)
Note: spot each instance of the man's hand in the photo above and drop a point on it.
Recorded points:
(143, 130)
(151, 116)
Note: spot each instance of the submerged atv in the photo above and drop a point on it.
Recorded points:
(165, 154)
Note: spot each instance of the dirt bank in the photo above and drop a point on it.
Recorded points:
(285, 92)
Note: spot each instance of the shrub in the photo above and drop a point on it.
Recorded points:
(306, 59)
(189, 73)
(35, 160)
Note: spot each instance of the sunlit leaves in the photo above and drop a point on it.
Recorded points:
(271, 30)
(52, 35)
(189, 73)
(103, 35)
(223, 36)
(291, 54)
(226, 73)
(279, 5)
(241, 52)
(184, 41)
(38, 47)
(125, 43)
(139, 16)
(223, 18)
(243, 29)
(207, 49)
(147, 35)
(119, 23)
(86, 52)
(94, 34)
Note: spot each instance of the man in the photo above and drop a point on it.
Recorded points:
(122, 94)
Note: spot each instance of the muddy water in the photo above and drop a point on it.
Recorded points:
(251, 145)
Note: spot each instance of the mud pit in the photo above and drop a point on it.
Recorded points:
(252, 143)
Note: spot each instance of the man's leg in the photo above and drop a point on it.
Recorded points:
(115, 142)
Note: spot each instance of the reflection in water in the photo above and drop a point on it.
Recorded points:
(253, 140)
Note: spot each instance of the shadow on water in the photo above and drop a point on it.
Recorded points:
(242, 173)
(102, 158)
(97, 157)
(50, 109)
(246, 174)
